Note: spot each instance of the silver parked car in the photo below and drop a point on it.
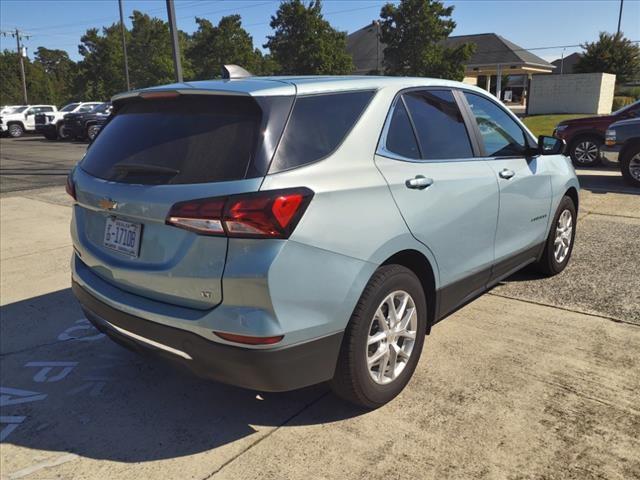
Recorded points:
(278, 232)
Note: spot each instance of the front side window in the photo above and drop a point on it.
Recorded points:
(501, 135)
(439, 125)
(317, 125)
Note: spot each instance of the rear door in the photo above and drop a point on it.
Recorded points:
(525, 184)
(153, 154)
(448, 198)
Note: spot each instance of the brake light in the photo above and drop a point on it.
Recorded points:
(70, 187)
(247, 340)
(270, 214)
(157, 95)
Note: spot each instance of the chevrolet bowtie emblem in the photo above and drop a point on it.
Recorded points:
(107, 204)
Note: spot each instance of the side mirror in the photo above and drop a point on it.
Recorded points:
(550, 145)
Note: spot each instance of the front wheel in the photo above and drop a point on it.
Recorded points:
(630, 166)
(559, 244)
(63, 133)
(92, 131)
(383, 340)
(16, 130)
(585, 151)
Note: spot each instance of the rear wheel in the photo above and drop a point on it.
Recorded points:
(630, 165)
(384, 339)
(585, 151)
(559, 245)
(16, 130)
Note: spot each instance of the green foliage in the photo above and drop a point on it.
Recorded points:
(304, 43)
(40, 86)
(413, 32)
(619, 102)
(60, 71)
(544, 124)
(211, 47)
(612, 53)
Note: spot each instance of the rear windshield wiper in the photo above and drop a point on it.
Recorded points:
(141, 168)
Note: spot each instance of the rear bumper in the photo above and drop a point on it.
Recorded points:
(610, 153)
(269, 370)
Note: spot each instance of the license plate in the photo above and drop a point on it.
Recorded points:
(123, 237)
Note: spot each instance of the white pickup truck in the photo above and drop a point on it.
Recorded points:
(23, 119)
(51, 125)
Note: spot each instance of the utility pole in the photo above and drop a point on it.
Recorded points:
(620, 16)
(171, 14)
(124, 47)
(19, 36)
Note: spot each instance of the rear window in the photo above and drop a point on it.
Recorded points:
(317, 126)
(189, 139)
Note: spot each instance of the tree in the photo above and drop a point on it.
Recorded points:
(211, 47)
(38, 85)
(304, 43)
(414, 32)
(60, 71)
(612, 53)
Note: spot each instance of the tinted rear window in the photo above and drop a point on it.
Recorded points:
(190, 139)
(318, 124)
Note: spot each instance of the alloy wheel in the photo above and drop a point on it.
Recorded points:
(586, 152)
(92, 131)
(15, 130)
(634, 167)
(564, 231)
(392, 335)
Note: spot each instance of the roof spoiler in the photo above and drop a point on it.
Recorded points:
(231, 72)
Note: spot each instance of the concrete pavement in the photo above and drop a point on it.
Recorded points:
(518, 384)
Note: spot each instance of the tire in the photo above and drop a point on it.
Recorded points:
(92, 131)
(552, 263)
(354, 379)
(585, 151)
(630, 165)
(62, 132)
(16, 130)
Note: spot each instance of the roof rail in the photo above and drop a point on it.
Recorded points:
(230, 72)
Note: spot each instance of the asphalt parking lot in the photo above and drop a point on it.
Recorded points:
(536, 379)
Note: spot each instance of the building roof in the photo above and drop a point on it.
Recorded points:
(302, 85)
(569, 62)
(491, 49)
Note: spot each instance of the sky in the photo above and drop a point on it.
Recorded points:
(532, 24)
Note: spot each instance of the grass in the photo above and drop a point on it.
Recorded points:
(544, 124)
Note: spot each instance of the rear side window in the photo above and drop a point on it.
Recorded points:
(317, 125)
(189, 139)
(439, 125)
(400, 137)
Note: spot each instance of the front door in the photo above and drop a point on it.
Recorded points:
(448, 198)
(525, 185)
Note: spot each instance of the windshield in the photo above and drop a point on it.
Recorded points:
(86, 108)
(627, 107)
(102, 108)
(185, 140)
(19, 110)
(69, 107)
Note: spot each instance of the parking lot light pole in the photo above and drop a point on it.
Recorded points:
(124, 47)
(171, 14)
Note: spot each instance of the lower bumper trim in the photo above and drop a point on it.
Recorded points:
(275, 369)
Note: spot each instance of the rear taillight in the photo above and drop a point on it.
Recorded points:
(70, 187)
(270, 214)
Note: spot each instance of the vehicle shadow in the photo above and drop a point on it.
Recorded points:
(103, 402)
(605, 179)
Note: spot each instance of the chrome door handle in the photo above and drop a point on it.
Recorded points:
(506, 173)
(419, 182)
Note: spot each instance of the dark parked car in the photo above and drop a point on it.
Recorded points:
(622, 144)
(81, 126)
(585, 136)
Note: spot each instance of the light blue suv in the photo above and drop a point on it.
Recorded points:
(274, 233)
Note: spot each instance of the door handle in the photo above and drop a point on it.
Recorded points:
(419, 182)
(506, 173)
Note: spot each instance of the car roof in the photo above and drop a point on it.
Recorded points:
(301, 85)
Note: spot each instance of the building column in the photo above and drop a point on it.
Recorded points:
(498, 81)
(488, 85)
